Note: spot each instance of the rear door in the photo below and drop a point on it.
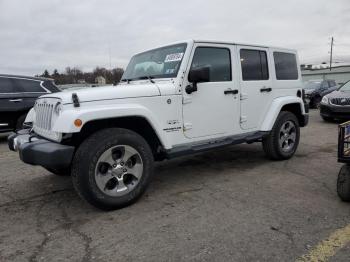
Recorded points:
(10, 103)
(31, 89)
(256, 85)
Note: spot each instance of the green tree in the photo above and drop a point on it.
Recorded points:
(46, 74)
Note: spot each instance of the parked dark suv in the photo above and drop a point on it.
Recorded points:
(316, 89)
(18, 95)
(336, 105)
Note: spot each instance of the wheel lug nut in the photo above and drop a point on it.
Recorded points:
(122, 163)
(114, 166)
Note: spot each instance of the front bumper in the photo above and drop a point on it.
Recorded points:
(338, 112)
(39, 151)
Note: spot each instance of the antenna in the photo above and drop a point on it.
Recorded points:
(110, 59)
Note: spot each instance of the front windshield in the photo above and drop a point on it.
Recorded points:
(312, 84)
(163, 62)
(345, 87)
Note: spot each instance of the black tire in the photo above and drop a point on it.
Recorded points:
(343, 183)
(20, 121)
(59, 172)
(86, 159)
(316, 102)
(271, 144)
(327, 119)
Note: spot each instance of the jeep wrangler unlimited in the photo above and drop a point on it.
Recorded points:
(179, 99)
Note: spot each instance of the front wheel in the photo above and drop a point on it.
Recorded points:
(112, 168)
(343, 183)
(283, 140)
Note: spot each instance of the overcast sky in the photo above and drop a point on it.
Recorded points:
(48, 34)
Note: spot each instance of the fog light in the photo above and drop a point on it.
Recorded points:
(78, 122)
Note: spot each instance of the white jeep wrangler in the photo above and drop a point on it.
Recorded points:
(179, 99)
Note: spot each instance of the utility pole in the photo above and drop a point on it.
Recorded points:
(331, 55)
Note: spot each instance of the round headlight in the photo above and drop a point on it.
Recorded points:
(58, 108)
(325, 100)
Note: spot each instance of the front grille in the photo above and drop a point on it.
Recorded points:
(340, 101)
(45, 118)
(43, 113)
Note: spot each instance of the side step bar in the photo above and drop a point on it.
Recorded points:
(211, 144)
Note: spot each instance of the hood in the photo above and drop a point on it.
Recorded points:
(339, 94)
(309, 91)
(108, 92)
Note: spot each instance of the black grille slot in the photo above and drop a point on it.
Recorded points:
(340, 101)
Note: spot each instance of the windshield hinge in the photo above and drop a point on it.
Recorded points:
(186, 100)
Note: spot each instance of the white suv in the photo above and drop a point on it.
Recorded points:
(179, 99)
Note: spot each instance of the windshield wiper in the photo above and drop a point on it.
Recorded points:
(150, 78)
(125, 80)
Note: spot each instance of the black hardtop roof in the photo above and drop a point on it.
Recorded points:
(27, 77)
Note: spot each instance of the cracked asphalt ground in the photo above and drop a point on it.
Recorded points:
(229, 205)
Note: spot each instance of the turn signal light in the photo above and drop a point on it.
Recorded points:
(78, 122)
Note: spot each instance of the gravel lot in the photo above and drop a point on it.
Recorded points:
(228, 205)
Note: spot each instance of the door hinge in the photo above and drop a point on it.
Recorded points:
(243, 96)
(243, 119)
(187, 126)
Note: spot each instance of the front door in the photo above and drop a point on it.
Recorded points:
(213, 110)
(256, 85)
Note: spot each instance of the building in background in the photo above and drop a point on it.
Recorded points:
(340, 74)
(100, 80)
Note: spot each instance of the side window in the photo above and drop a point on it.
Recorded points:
(254, 65)
(286, 66)
(217, 59)
(7, 86)
(50, 85)
(29, 85)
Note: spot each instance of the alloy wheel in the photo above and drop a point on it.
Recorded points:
(118, 170)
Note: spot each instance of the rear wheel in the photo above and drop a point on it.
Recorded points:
(112, 168)
(316, 102)
(343, 183)
(283, 140)
(20, 121)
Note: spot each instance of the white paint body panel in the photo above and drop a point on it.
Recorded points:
(165, 104)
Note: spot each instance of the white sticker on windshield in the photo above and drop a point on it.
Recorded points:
(173, 57)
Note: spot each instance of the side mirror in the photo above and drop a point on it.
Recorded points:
(197, 75)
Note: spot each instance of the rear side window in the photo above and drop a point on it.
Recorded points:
(254, 65)
(286, 66)
(217, 59)
(7, 86)
(29, 86)
(50, 85)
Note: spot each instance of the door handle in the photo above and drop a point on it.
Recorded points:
(230, 91)
(16, 100)
(265, 89)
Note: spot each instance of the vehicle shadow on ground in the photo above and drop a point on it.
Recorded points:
(3, 138)
(184, 172)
